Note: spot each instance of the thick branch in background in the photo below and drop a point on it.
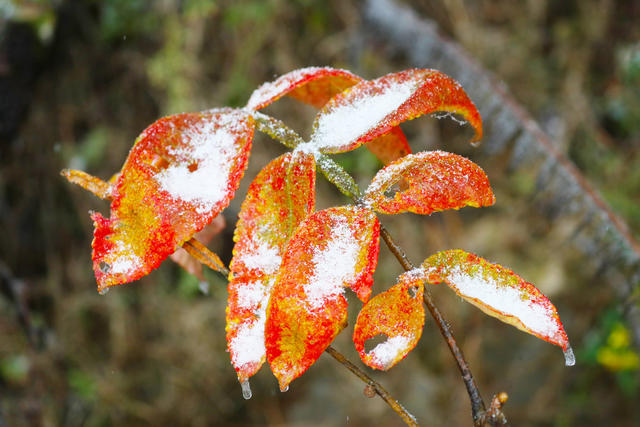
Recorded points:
(598, 233)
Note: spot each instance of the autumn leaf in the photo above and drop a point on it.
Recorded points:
(181, 172)
(500, 293)
(333, 249)
(278, 200)
(436, 181)
(372, 108)
(311, 85)
(316, 86)
(397, 314)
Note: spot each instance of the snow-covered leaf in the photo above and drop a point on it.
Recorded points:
(311, 85)
(279, 198)
(500, 293)
(181, 172)
(398, 314)
(372, 108)
(333, 249)
(436, 181)
(316, 86)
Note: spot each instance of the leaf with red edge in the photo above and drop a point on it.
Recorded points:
(371, 108)
(436, 181)
(311, 85)
(316, 86)
(279, 199)
(181, 172)
(397, 313)
(500, 293)
(333, 249)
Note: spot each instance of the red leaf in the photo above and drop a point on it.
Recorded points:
(371, 108)
(500, 293)
(397, 313)
(312, 85)
(333, 249)
(279, 198)
(181, 172)
(436, 181)
(390, 146)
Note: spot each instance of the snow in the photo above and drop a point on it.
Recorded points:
(343, 124)
(506, 299)
(385, 352)
(248, 344)
(569, 357)
(264, 257)
(334, 265)
(126, 260)
(251, 294)
(211, 146)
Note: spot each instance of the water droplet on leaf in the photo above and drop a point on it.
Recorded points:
(103, 291)
(569, 357)
(246, 389)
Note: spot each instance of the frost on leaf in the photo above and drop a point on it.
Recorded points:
(398, 314)
(372, 108)
(333, 249)
(499, 292)
(316, 86)
(436, 181)
(181, 172)
(278, 200)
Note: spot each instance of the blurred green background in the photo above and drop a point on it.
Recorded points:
(80, 79)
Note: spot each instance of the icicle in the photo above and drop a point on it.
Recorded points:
(246, 389)
(204, 287)
(103, 291)
(569, 358)
(284, 390)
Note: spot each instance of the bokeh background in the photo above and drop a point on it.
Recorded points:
(80, 79)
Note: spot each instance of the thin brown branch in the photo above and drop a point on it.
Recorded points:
(379, 390)
(478, 408)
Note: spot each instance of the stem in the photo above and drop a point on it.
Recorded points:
(277, 129)
(477, 404)
(380, 391)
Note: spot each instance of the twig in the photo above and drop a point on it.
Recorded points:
(478, 409)
(477, 404)
(379, 390)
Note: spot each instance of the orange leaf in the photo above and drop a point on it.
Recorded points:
(371, 108)
(315, 86)
(391, 146)
(280, 197)
(312, 85)
(181, 172)
(333, 249)
(500, 293)
(436, 181)
(397, 313)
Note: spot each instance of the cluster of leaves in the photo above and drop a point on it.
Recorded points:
(291, 264)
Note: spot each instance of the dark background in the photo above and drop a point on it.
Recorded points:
(79, 80)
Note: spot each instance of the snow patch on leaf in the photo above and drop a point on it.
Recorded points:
(334, 265)
(204, 160)
(264, 257)
(506, 299)
(387, 352)
(361, 115)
